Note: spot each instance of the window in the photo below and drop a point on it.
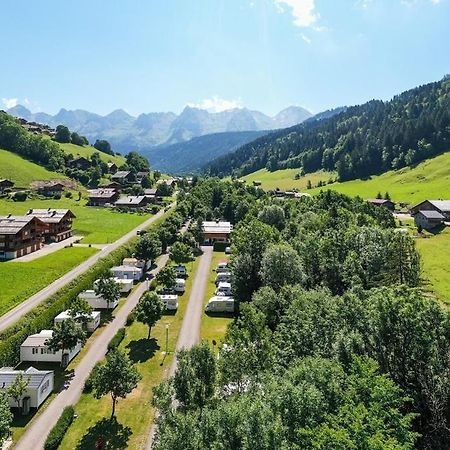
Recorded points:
(45, 386)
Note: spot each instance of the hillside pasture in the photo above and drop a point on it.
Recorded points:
(87, 151)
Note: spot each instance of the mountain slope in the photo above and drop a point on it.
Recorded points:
(359, 141)
(191, 156)
(126, 132)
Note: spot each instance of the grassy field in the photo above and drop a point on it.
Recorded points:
(134, 414)
(87, 151)
(435, 252)
(285, 179)
(23, 172)
(214, 327)
(97, 225)
(20, 280)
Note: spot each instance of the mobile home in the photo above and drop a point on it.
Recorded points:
(91, 325)
(180, 285)
(97, 301)
(127, 272)
(223, 289)
(220, 304)
(223, 277)
(170, 301)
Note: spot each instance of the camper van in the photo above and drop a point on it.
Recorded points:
(220, 304)
(180, 285)
(222, 267)
(170, 301)
(223, 289)
(223, 277)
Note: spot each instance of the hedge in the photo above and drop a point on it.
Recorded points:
(57, 433)
(116, 339)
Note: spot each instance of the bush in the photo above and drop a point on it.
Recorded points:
(20, 196)
(57, 433)
(131, 318)
(117, 339)
(57, 196)
(68, 194)
(88, 383)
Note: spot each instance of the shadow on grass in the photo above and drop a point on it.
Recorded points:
(142, 350)
(169, 312)
(113, 434)
(220, 314)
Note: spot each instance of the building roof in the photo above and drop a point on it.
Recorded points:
(13, 224)
(111, 164)
(442, 205)
(126, 269)
(130, 200)
(143, 173)
(216, 227)
(102, 193)
(4, 180)
(37, 340)
(432, 214)
(34, 376)
(379, 201)
(51, 215)
(66, 315)
(51, 185)
(149, 191)
(121, 174)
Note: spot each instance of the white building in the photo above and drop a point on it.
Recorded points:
(216, 231)
(34, 348)
(220, 304)
(125, 285)
(40, 386)
(91, 325)
(170, 301)
(97, 301)
(127, 272)
(133, 262)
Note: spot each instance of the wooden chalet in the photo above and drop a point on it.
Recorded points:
(58, 223)
(102, 196)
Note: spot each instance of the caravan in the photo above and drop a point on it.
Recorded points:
(220, 304)
(222, 267)
(180, 285)
(223, 289)
(170, 301)
(223, 277)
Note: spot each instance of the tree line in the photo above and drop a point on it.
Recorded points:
(358, 142)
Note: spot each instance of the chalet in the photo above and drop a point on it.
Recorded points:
(35, 349)
(81, 163)
(92, 323)
(58, 223)
(5, 184)
(112, 168)
(123, 177)
(19, 235)
(112, 185)
(382, 202)
(428, 219)
(216, 231)
(102, 197)
(150, 195)
(441, 206)
(51, 189)
(141, 175)
(131, 202)
(39, 386)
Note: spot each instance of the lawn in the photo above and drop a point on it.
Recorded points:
(435, 252)
(87, 151)
(134, 414)
(23, 172)
(20, 280)
(214, 327)
(97, 225)
(285, 179)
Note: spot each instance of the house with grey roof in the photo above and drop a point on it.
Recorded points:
(39, 386)
(428, 219)
(132, 202)
(431, 213)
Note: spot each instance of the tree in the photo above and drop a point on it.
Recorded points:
(273, 215)
(5, 418)
(167, 277)
(149, 310)
(108, 289)
(195, 378)
(103, 146)
(66, 336)
(403, 260)
(309, 184)
(147, 182)
(379, 196)
(117, 377)
(180, 253)
(137, 162)
(62, 134)
(18, 388)
(76, 139)
(80, 311)
(148, 247)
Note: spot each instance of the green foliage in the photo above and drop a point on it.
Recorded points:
(5, 418)
(117, 377)
(80, 311)
(103, 146)
(108, 289)
(57, 433)
(62, 134)
(137, 162)
(148, 247)
(273, 215)
(149, 310)
(20, 196)
(117, 339)
(180, 253)
(17, 388)
(167, 277)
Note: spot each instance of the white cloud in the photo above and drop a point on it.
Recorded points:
(303, 12)
(217, 104)
(10, 102)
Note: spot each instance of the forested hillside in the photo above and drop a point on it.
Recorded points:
(334, 345)
(360, 141)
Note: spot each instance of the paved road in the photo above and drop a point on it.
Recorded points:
(190, 328)
(20, 310)
(35, 435)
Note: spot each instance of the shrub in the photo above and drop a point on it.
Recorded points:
(20, 196)
(88, 383)
(57, 196)
(57, 433)
(131, 318)
(68, 194)
(117, 339)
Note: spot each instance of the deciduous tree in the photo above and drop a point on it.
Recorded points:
(149, 310)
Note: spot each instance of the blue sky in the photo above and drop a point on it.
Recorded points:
(159, 55)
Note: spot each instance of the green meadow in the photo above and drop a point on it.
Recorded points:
(88, 150)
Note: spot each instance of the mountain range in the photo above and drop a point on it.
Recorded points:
(158, 129)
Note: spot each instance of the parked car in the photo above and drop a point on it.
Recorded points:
(220, 304)
(223, 289)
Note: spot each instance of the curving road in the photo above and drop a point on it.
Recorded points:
(20, 310)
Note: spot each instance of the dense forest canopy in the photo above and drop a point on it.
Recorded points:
(334, 346)
(360, 141)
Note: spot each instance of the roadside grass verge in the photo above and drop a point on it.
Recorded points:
(135, 413)
(97, 225)
(20, 280)
(214, 327)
